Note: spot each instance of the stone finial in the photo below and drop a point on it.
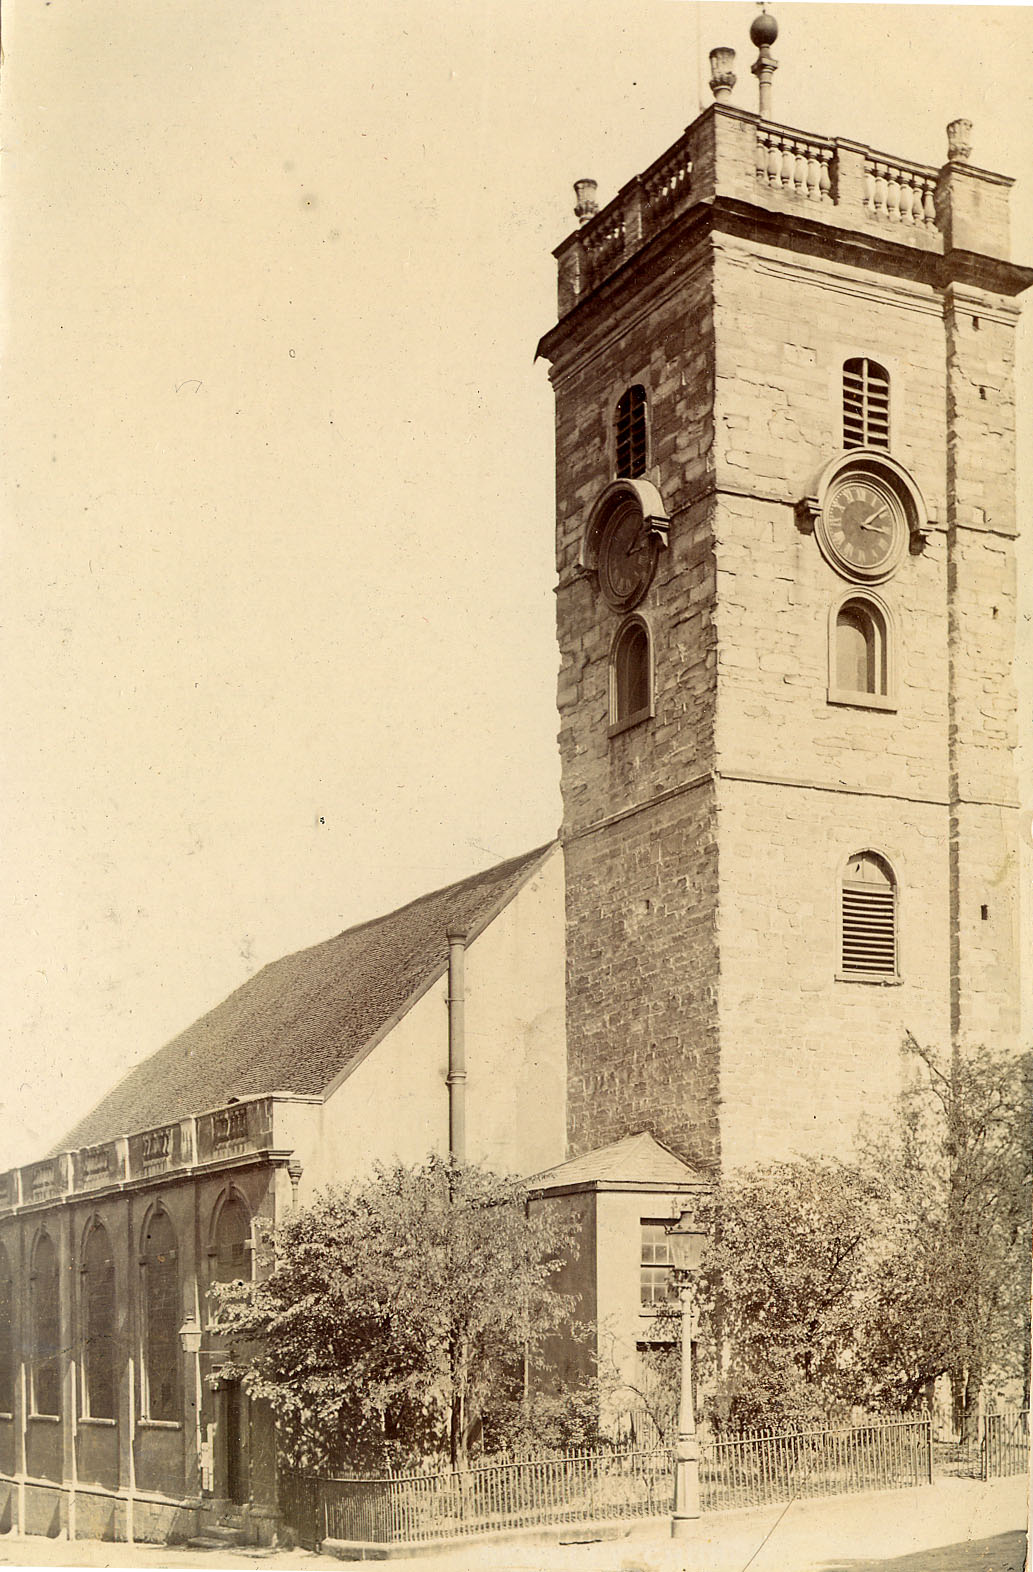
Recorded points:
(722, 77)
(959, 141)
(586, 206)
(763, 32)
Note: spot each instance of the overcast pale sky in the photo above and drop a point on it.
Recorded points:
(277, 486)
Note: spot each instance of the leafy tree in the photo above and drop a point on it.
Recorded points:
(951, 1295)
(781, 1290)
(399, 1316)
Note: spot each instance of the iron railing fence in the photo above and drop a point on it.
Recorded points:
(623, 1482)
(570, 1488)
(1005, 1443)
(760, 1467)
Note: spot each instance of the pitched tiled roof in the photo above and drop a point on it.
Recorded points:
(636, 1159)
(302, 1021)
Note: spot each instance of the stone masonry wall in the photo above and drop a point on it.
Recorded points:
(642, 963)
(705, 848)
(641, 874)
(981, 528)
(805, 783)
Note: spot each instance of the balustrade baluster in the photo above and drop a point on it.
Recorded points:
(892, 194)
(825, 177)
(869, 187)
(879, 194)
(813, 174)
(800, 171)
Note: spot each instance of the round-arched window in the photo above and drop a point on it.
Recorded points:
(630, 676)
(98, 1316)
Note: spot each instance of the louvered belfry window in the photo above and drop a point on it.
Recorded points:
(631, 433)
(866, 404)
(869, 917)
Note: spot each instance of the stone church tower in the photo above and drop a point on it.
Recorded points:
(786, 598)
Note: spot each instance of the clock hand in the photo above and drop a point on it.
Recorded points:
(874, 528)
(878, 514)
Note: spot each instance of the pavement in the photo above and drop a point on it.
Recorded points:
(955, 1525)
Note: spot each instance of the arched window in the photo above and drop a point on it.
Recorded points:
(869, 918)
(630, 433)
(860, 648)
(45, 1296)
(860, 653)
(866, 404)
(631, 698)
(98, 1322)
(231, 1254)
(6, 1335)
(160, 1363)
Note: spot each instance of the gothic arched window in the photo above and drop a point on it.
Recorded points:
(631, 677)
(6, 1334)
(868, 939)
(98, 1321)
(630, 433)
(231, 1253)
(160, 1364)
(45, 1306)
(866, 404)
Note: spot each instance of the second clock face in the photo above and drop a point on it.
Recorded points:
(863, 528)
(627, 558)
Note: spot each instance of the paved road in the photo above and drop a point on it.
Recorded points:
(1001, 1553)
(956, 1525)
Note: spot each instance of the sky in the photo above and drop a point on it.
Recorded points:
(277, 482)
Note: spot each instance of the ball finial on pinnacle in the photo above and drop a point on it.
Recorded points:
(763, 30)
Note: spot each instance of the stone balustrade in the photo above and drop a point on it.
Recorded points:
(900, 193)
(729, 155)
(789, 162)
(250, 1127)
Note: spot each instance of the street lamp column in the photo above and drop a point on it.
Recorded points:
(686, 1453)
(687, 1240)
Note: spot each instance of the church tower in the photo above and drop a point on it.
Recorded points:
(785, 607)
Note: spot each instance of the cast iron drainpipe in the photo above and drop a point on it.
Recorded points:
(456, 1045)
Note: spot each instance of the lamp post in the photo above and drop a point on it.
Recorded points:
(190, 1336)
(687, 1239)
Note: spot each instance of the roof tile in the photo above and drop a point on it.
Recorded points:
(302, 1021)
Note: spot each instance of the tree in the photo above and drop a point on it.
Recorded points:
(782, 1285)
(951, 1296)
(398, 1315)
(830, 1285)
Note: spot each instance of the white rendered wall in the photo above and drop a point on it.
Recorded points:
(394, 1105)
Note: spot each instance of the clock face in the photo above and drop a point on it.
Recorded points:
(863, 530)
(627, 558)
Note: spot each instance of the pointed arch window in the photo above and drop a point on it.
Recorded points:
(631, 676)
(868, 934)
(98, 1321)
(630, 433)
(866, 404)
(159, 1264)
(45, 1312)
(6, 1334)
(230, 1256)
